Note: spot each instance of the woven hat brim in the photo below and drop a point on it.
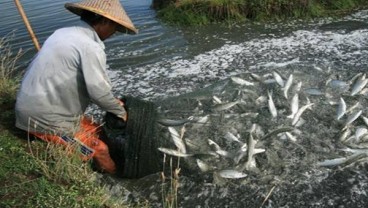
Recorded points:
(124, 27)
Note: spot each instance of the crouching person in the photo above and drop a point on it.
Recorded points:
(67, 74)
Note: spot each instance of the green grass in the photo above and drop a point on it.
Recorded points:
(201, 12)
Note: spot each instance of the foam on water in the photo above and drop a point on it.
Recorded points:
(337, 50)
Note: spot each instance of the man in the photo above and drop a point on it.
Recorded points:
(67, 73)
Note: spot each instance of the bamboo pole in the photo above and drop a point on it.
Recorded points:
(29, 28)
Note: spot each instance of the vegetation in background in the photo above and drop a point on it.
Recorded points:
(8, 76)
(37, 174)
(199, 12)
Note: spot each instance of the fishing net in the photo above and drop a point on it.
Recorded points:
(133, 145)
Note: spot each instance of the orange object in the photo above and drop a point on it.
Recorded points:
(90, 146)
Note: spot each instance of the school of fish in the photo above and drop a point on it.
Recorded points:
(270, 125)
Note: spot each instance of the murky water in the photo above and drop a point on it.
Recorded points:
(164, 61)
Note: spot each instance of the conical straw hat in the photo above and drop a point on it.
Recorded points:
(111, 9)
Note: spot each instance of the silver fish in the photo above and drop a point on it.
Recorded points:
(231, 137)
(178, 141)
(288, 84)
(172, 122)
(216, 100)
(300, 112)
(359, 85)
(231, 174)
(353, 117)
(203, 166)
(349, 110)
(365, 119)
(313, 91)
(345, 135)
(225, 106)
(174, 152)
(290, 136)
(298, 87)
(342, 160)
(271, 105)
(359, 132)
(251, 163)
(241, 81)
(294, 105)
(341, 109)
(278, 131)
(256, 77)
(278, 78)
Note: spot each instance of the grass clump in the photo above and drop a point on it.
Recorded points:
(9, 78)
(200, 12)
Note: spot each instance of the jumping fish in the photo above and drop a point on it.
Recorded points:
(300, 112)
(271, 105)
(288, 83)
(341, 109)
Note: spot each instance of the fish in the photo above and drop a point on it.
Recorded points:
(313, 91)
(349, 110)
(171, 122)
(288, 84)
(290, 136)
(353, 117)
(359, 132)
(225, 106)
(294, 105)
(241, 81)
(345, 134)
(240, 153)
(216, 100)
(278, 131)
(251, 163)
(298, 87)
(231, 137)
(359, 84)
(178, 140)
(174, 152)
(271, 105)
(342, 160)
(204, 167)
(341, 109)
(300, 112)
(233, 174)
(365, 119)
(256, 77)
(278, 78)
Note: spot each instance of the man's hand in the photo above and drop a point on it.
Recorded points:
(125, 116)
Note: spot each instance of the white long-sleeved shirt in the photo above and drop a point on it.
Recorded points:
(67, 73)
